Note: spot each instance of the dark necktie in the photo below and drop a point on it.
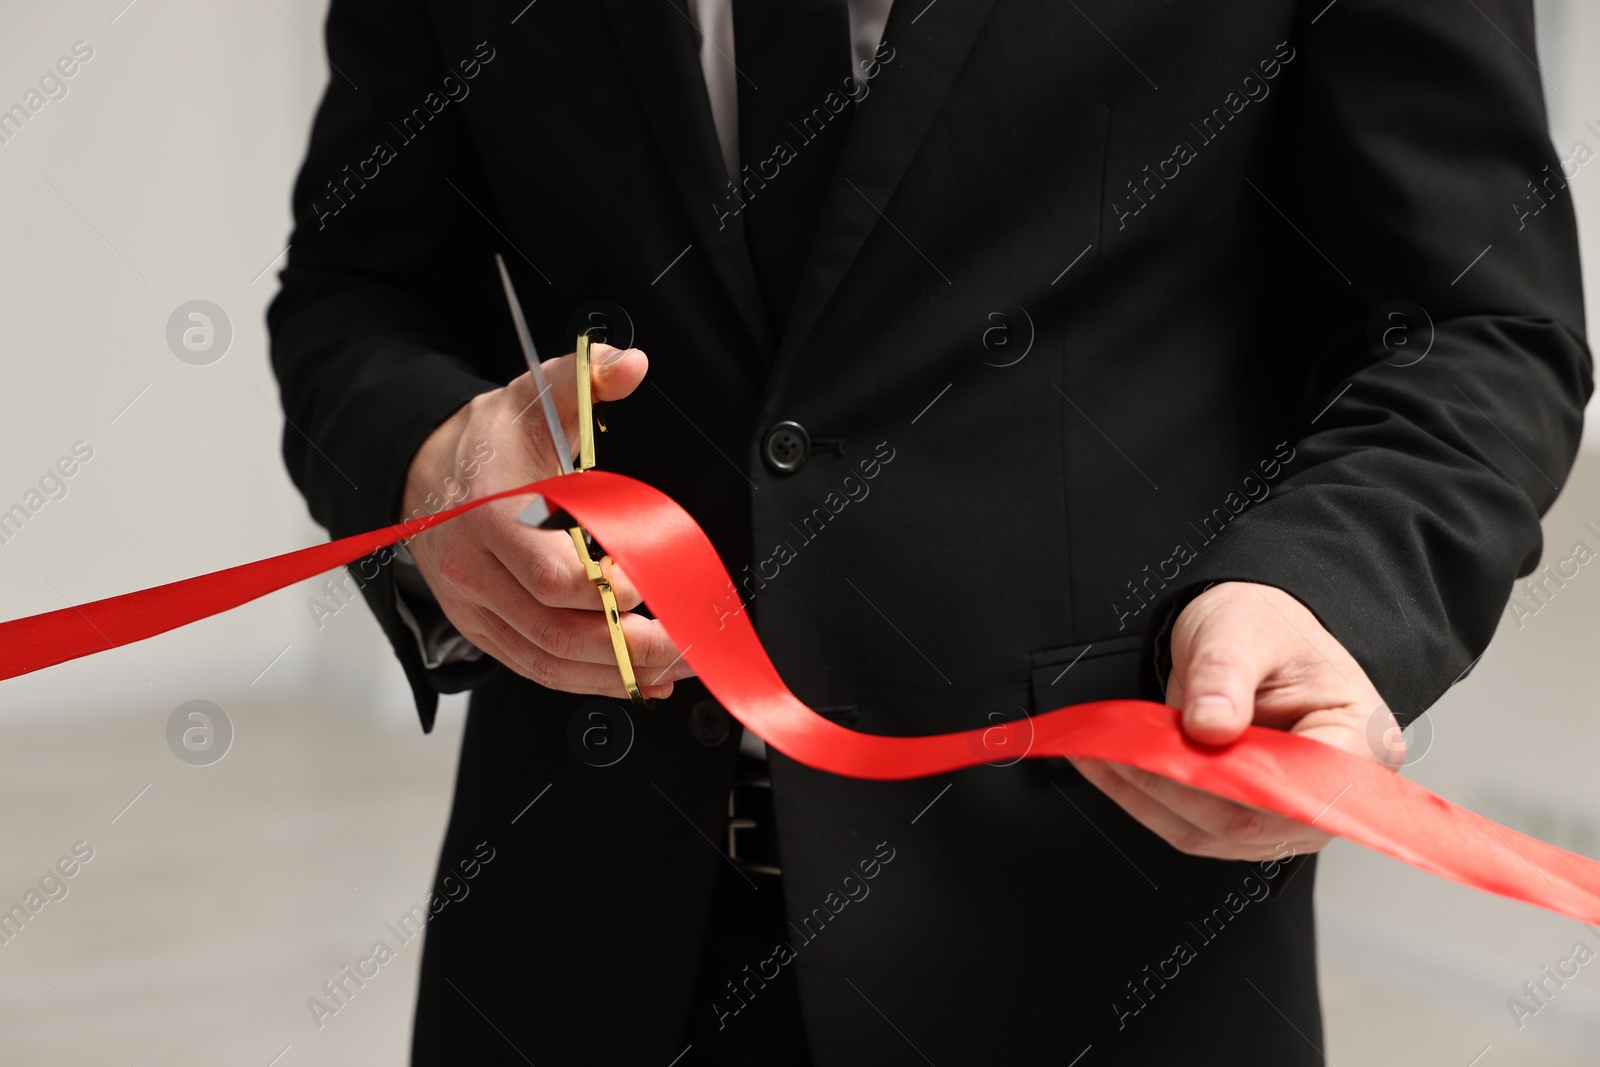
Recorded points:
(795, 104)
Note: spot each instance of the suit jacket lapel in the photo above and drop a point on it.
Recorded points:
(930, 45)
(661, 51)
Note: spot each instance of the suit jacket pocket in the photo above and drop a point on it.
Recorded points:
(1077, 674)
(1096, 670)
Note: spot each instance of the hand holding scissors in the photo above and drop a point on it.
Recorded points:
(523, 594)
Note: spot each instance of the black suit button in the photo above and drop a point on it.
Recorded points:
(786, 447)
(709, 723)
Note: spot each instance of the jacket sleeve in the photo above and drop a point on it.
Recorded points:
(377, 337)
(1414, 165)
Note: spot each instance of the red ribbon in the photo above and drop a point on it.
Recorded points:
(680, 576)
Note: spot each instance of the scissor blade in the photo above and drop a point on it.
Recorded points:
(552, 417)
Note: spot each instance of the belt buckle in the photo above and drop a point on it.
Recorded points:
(749, 791)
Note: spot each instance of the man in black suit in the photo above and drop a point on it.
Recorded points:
(1012, 354)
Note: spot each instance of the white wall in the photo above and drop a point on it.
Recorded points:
(161, 177)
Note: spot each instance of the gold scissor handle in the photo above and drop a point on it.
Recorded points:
(585, 404)
(592, 568)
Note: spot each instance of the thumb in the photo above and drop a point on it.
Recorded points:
(1218, 669)
(613, 374)
(616, 372)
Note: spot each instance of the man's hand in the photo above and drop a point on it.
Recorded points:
(516, 592)
(1245, 653)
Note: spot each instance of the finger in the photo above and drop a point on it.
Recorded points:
(1219, 663)
(585, 637)
(1251, 829)
(542, 564)
(614, 373)
(502, 562)
(580, 634)
(477, 600)
(1172, 827)
(500, 640)
(546, 562)
(1165, 824)
(628, 596)
(479, 631)
(622, 587)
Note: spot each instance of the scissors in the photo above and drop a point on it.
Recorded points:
(593, 566)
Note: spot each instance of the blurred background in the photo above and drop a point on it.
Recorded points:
(221, 895)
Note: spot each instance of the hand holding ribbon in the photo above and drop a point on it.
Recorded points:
(1244, 653)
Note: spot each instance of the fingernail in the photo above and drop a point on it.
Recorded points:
(615, 354)
(1212, 711)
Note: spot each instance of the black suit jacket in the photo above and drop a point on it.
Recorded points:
(1104, 282)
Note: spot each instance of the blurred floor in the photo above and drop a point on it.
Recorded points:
(225, 895)
(223, 898)
(1374, 1024)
